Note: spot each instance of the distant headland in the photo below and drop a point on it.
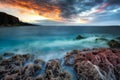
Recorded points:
(9, 20)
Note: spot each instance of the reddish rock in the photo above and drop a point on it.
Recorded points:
(14, 68)
(21, 67)
(54, 72)
(88, 64)
(95, 64)
(30, 69)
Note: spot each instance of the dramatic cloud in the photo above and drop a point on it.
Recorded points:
(81, 11)
(44, 8)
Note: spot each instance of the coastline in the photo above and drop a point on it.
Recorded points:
(86, 64)
(90, 64)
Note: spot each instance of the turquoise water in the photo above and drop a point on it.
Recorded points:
(53, 42)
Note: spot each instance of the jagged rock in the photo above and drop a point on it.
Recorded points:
(40, 78)
(13, 67)
(54, 71)
(96, 64)
(117, 71)
(87, 71)
(21, 67)
(88, 64)
(114, 44)
(31, 69)
(11, 77)
(79, 37)
(38, 61)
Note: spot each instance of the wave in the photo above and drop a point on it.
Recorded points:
(51, 49)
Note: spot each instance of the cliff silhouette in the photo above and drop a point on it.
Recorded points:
(9, 20)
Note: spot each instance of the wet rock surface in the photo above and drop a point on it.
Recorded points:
(101, 39)
(27, 67)
(79, 37)
(95, 64)
(54, 71)
(114, 44)
(118, 38)
(88, 64)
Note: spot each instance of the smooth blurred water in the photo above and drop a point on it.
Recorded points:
(53, 42)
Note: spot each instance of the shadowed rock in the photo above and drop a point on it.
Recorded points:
(8, 54)
(118, 38)
(114, 44)
(25, 67)
(54, 71)
(88, 64)
(79, 37)
(101, 39)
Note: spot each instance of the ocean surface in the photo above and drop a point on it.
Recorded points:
(49, 42)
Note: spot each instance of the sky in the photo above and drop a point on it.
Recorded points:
(64, 12)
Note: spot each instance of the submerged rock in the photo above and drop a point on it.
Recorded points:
(114, 44)
(101, 39)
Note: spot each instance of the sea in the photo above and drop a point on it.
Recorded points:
(51, 42)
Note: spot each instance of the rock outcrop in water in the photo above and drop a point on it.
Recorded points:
(79, 37)
(114, 44)
(9, 20)
(118, 38)
(96, 64)
(88, 64)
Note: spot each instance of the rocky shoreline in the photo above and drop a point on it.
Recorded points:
(95, 64)
(88, 64)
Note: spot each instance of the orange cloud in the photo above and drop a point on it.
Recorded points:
(46, 10)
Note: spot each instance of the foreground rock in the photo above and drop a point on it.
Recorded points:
(88, 64)
(96, 64)
(53, 71)
(26, 67)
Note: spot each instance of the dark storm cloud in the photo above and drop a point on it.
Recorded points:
(61, 8)
(114, 1)
(73, 7)
(70, 7)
